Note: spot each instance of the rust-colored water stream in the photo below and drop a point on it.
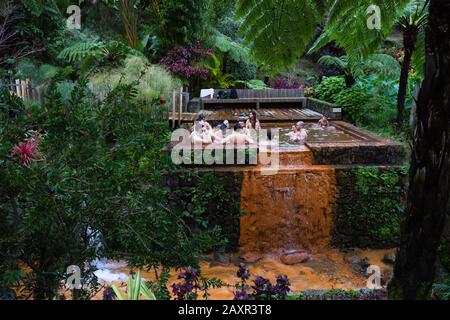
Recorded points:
(327, 269)
(291, 210)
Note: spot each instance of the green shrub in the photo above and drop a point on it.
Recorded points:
(182, 23)
(363, 107)
(150, 81)
(254, 84)
(242, 70)
(96, 180)
(329, 88)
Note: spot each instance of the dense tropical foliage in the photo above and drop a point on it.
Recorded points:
(81, 168)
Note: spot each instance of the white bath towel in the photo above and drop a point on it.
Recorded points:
(207, 93)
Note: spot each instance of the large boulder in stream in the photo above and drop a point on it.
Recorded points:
(294, 257)
(389, 258)
(251, 257)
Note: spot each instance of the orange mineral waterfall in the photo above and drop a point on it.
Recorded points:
(290, 210)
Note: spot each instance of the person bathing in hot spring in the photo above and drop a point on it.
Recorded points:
(220, 132)
(252, 122)
(298, 133)
(238, 137)
(202, 119)
(201, 134)
(324, 123)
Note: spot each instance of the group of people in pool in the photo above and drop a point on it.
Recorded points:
(221, 132)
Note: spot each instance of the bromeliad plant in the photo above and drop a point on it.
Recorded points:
(136, 288)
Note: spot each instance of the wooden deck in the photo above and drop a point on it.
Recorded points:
(264, 115)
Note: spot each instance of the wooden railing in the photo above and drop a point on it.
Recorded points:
(265, 93)
(329, 110)
(180, 101)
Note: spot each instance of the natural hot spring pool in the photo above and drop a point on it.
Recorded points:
(316, 134)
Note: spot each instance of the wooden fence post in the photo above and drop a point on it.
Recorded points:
(18, 88)
(180, 111)
(174, 96)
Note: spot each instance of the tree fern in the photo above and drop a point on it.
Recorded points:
(271, 28)
(93, 54)
(340, 62)
(381, 64)
(236, 51)
(415, 17)
(279, 31)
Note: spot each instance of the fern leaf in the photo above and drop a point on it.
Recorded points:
(82, 50)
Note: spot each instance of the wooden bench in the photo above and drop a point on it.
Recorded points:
(254, 98)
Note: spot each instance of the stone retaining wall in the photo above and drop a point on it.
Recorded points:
(365, 212)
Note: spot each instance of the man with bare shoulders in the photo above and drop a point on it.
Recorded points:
(238, 137)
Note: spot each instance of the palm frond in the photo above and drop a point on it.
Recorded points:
(235, 50)
(415, 14)
(347, 25)
(418, 57)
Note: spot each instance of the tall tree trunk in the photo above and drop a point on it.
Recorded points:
(409, 43)
(402, 89)
(349, 80)
(428, 201)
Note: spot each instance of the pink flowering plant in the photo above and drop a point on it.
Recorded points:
(28, 151)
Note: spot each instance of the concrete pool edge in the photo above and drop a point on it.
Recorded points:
(367, 148)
